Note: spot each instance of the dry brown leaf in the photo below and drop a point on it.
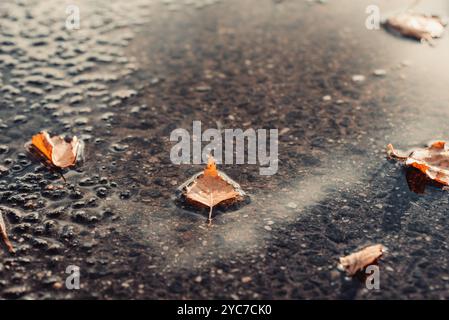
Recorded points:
(211, 187)
(415, 25)
(361, 259)
(57, 150)
(5, 235)
(432, 161)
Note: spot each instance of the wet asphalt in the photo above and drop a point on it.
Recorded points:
(135, 71)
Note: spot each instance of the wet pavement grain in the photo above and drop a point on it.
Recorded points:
(135, 71)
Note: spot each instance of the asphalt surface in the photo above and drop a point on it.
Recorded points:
(137, 70)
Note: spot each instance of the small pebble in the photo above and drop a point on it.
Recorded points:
(246, 279)
(380, 72)
(202, 88)
(124, 94)
(292, 205)
(358, 78)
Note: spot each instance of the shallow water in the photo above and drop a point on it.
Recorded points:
(137, 70)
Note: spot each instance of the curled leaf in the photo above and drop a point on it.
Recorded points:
(432, 161)
(5, 235)
(210, 188)
(417, 26)
(59, 151)
(361, 259)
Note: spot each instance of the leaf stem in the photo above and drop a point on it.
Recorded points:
(210, 208)
(210, 216)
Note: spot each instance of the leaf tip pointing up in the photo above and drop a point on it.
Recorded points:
(211, 168)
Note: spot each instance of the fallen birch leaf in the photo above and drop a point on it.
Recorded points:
(59, 151)
(211, 187)
(432, 161)
(361, 259)
(5, 235)
(415, 25)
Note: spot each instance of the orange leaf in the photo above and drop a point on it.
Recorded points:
(57, 150)
(432, 161)
(211, 187)
(361, 259)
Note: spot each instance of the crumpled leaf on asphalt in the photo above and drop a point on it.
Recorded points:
(5, 235)
(59, 151)
(210, 188)
(361, 259)
(432, 161)
(415, 25)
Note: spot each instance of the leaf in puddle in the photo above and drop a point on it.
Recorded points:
(211, 187)
(361, 259)
(61, 152)
(432, 161)
(415, 25)
(5, 235)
